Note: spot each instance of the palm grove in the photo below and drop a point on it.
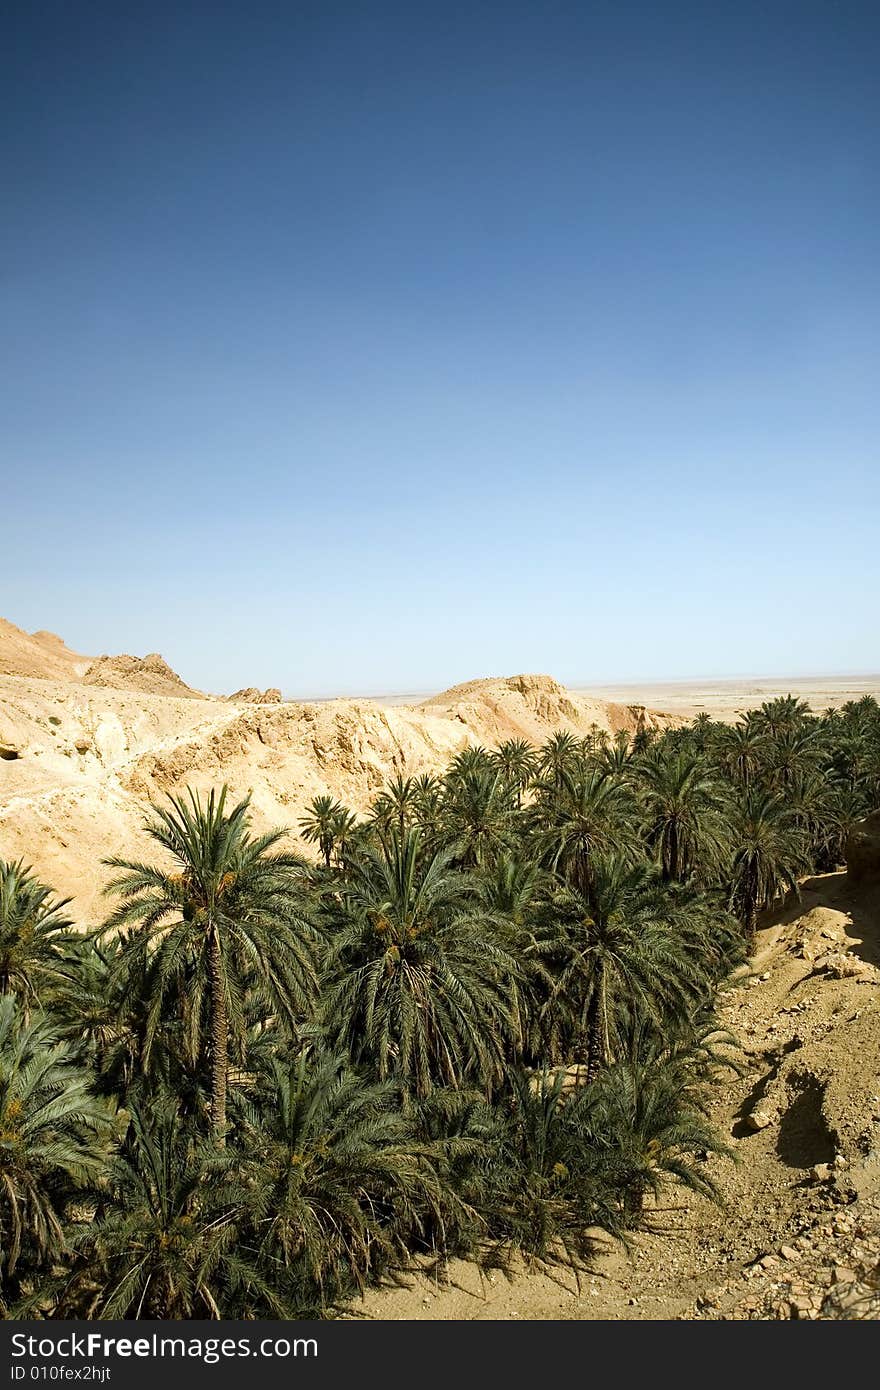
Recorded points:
(481, 1022)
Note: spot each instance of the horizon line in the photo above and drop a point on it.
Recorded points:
(584, 687)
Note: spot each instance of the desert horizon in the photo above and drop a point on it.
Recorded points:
(723, 696)
(720, 696)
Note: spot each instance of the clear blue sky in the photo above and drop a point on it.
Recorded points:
(366, 347)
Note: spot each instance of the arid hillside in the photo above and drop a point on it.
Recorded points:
(44, 656)
(38, 654)
(530, 706)
(83, 753)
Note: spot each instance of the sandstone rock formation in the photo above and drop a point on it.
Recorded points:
(151, 674)
(250, 695)
(530, 706)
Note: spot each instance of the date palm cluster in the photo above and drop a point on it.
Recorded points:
(477, 1021)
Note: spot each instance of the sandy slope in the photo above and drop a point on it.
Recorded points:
(80, 761)
(790, 1242)
(38, 654)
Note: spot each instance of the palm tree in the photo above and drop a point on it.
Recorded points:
(100, 1007)
(165, 1242)
(478, 815)
(584, 813)
(684, 814)
(320, 825)
(344, 827)
(474, 758)
(428, 802)
(514, 888)
(784, 713)
(844, 808)
(53, 1140)
(810, 797)
(616, 757)
(768, 857)
(34, 929)
(544, 1190)
(854, 758)
(560, 756)
(104, 1006)
(397, 805)
(624, 951)
(231, 911)
(743, 749)
(516, 760)
(341, 1186)
(794, 752)
(419, 986)
(648, 1118)
(704, 730)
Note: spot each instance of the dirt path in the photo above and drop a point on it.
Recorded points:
(800, 1229)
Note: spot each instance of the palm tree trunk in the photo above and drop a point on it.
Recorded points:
(219, 1039)
(672, 866)
(582, 877)
(595, 1030)
(752, 926)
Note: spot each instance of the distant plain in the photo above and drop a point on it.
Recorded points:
(723, 699)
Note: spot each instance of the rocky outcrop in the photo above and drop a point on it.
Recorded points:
(250, 695)
(150, 674)
(863, 850)
(530, 706)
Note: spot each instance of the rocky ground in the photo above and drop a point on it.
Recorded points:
(798, 1235)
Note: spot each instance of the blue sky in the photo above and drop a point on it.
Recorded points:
(355, 348)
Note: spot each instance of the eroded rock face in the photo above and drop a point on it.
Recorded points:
(250, 695)
(150, 674)
(863, 850)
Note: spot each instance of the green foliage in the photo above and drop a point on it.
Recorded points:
(53, 1143)
(227, 918)
(419, 987)
(34, 930)
(165, 1242)
(340, 1187)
